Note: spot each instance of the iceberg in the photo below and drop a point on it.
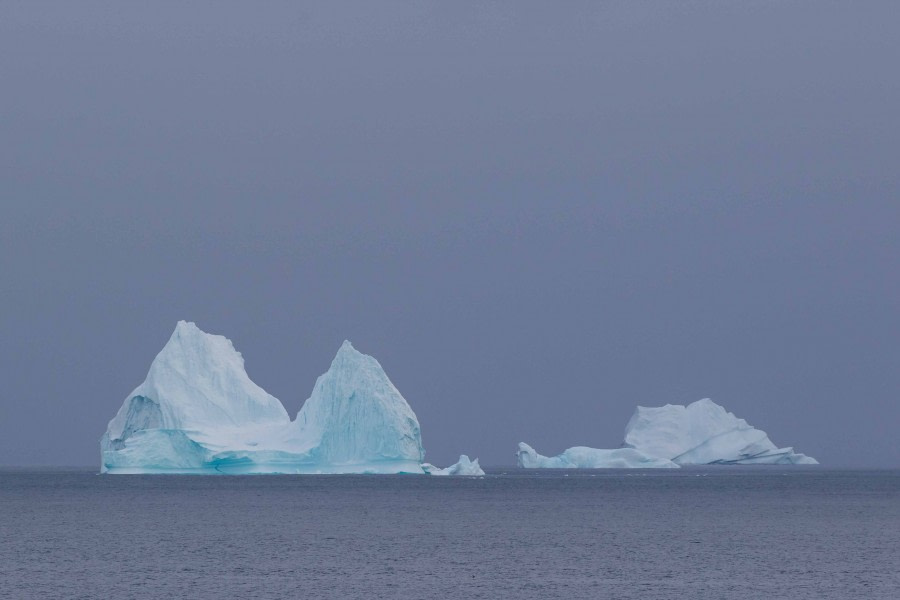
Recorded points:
(704, 433)
(463, 467)
(356, 417)
(582, 457)
(198, 412)
(701, 433)
(196, 395)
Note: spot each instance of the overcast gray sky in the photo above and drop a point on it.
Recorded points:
(536, 216)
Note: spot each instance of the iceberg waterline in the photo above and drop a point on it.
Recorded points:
(700, 433)
(198, 412)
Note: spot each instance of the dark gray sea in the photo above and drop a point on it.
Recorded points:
(726, 532)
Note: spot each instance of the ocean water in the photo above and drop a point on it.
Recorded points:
(726, 532)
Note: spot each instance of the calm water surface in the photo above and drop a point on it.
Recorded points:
(697, 533)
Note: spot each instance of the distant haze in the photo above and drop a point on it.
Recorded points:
(535, 216)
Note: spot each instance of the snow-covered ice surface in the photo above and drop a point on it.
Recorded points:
(582, 457)
(701, 433)
(704, 433)
(464, 467)
(199, 412)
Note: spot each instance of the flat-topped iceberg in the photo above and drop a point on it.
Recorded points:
(582, 457)
(701, 433)
(463, 467)
(199, 412)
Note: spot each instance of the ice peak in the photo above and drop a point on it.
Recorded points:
(196, 382)
(350, 360)
(188, 330)
(183, 325)
(190, 345)
(347, 350)
(706, 404)
(355, 389)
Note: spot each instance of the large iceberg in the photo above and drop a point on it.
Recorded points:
(199, 412)
(196, 399)
(701, 433)
(704, 433)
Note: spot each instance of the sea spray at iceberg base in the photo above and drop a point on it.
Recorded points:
(199, 412)
(701, 433)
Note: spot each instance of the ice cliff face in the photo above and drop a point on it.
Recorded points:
(198, 411)
(701, 433)
(704, 433)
